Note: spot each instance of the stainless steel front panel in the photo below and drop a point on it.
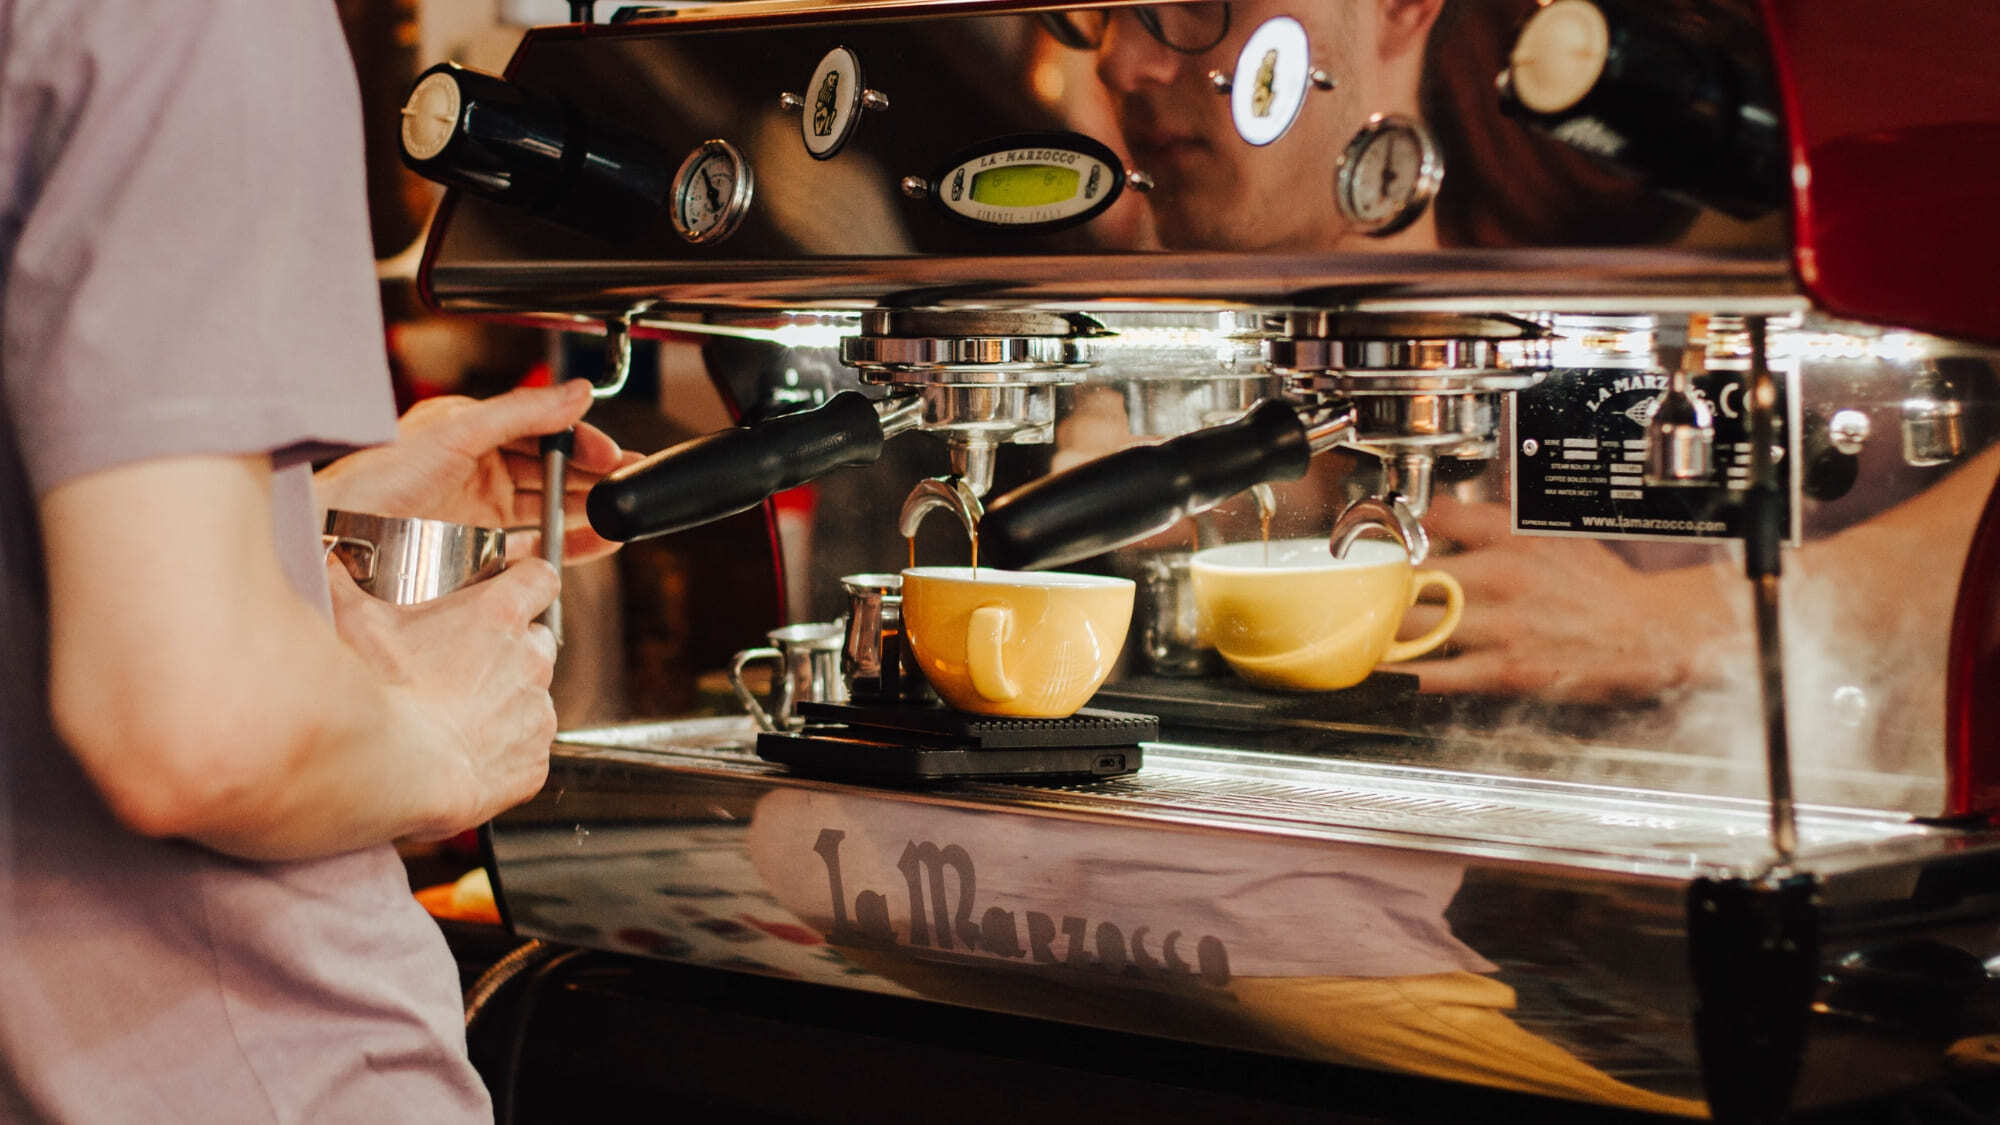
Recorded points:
(1530, 936)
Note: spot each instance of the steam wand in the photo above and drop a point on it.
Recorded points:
(556, 450)
(1763, 539)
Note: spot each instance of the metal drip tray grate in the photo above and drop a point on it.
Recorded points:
(1317, 798)
(1634, 829)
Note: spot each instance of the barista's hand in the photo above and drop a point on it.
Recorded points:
(475, 461)
(1562, 619)
(475, 667)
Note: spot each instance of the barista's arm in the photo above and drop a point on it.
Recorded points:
(207, 700)
(1565, 619)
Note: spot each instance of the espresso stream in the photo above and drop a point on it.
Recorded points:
(912, 543)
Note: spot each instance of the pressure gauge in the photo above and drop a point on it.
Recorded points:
(711, 192)
(1387, 175)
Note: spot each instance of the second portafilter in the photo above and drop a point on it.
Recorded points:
(1405, 389)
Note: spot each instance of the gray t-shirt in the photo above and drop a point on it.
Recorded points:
(188, 272)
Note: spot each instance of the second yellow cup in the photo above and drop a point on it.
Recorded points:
(1290, 615)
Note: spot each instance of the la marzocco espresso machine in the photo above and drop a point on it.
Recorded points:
(1667, 328)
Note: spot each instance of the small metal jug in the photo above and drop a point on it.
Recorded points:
(406, 560)
(808, 658)
(876, 663)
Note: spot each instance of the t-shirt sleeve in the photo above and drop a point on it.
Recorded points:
(191, 270)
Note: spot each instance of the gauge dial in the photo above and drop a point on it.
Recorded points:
(711, 192)
(1387, 175)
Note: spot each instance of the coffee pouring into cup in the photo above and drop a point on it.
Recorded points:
(1022, 644)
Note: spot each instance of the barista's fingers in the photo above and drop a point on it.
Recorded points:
(543, 641)
(1481, 628)
(524, 466)
(581, 545)
(1493, 575)
(1472, 673)
(520, 592)
(522, 414)
(1478, 628)
(1467, 526)
(1495, 671)
(593, 452)
(595, 455)
(1511, 672)
(350, 601)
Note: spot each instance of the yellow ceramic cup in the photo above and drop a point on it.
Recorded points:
(1026, 644)
(1306, 620)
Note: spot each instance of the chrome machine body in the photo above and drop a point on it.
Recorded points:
(1704, 900)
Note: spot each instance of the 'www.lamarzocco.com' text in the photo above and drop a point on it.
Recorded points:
(1625, 523)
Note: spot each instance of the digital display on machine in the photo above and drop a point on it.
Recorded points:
(1025, 185)
(1028, 182)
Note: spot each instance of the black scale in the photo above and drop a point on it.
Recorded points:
(1223, 702)
(920, 742)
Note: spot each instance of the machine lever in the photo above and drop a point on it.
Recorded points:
(1126, 496)
(730, 471)
(556, 450)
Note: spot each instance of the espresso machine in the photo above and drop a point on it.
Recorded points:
(1665, 327)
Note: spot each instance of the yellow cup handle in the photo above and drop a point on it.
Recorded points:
(1454, 608)
(984, 632)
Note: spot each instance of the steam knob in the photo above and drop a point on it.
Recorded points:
(1611, 77)
(490, 137)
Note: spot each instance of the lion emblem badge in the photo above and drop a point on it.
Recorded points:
(823, 104)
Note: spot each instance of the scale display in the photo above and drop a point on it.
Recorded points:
(1029, 182)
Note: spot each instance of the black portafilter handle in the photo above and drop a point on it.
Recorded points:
(1124, 497)
(729, 471)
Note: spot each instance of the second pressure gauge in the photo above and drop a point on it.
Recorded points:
(1387, 175)
(711, 192)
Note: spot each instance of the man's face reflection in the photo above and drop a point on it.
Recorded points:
(1214, 190)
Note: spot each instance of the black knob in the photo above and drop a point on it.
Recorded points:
(1126, 496)
(729, 471)
(491, 137)
(1673, 101)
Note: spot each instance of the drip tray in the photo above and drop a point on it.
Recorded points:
(1224, 702)
(935, 743)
